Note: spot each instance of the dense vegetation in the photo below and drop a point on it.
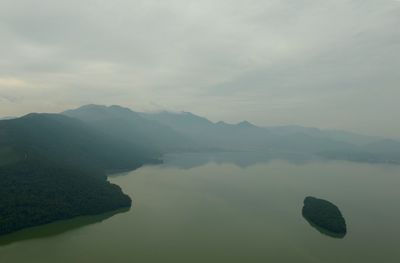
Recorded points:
(53, 167)
(36, 192)
(325, 215)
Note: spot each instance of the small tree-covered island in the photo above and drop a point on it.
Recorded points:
(324, 216)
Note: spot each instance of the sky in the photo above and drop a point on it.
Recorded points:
(331, 64)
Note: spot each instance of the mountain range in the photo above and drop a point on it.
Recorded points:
(169, 131)
(54, 166)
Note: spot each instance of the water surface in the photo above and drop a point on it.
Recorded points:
(228, 208)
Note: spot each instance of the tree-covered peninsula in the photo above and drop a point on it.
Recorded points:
(53, 167)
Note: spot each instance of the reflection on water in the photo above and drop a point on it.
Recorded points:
(231, 207)
(57, 228)
(323, 230)
(242, 159)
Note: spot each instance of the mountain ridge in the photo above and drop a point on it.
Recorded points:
(66, 156)
(202, 134)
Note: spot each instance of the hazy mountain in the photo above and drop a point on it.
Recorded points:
(7, 118)
(333, 144)
(174, 131)
(70, 140)
(247, 136)
(128, 125)
(185, 122)
(383, 146)
(221, 135)
(337, 135)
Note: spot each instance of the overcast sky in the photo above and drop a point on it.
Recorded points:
(329, 64)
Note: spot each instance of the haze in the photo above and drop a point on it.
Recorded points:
(328, 64)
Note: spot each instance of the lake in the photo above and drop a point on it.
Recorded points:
(228, 207)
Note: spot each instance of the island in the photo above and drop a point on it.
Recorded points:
(324, 216)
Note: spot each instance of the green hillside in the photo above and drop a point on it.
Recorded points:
(53, 167)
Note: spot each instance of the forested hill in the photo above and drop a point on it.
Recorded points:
(53, 167)
(70, 141)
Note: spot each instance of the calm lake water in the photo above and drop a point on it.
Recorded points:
(228, 208)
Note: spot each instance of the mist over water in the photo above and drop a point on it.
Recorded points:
(181, 131)
(210, 208)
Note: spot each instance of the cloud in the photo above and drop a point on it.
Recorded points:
(11, 83)
(319, 63)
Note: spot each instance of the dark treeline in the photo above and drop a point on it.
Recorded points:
(36, 192)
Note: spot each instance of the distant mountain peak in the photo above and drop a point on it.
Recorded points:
(92, 106)
(99, 110)
(246, 124)
(120, 108)
(102, 107)
(221, 123)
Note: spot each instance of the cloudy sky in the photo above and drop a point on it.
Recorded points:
(330, 64)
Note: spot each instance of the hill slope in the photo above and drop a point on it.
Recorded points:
(123, 123)
(53, 167)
